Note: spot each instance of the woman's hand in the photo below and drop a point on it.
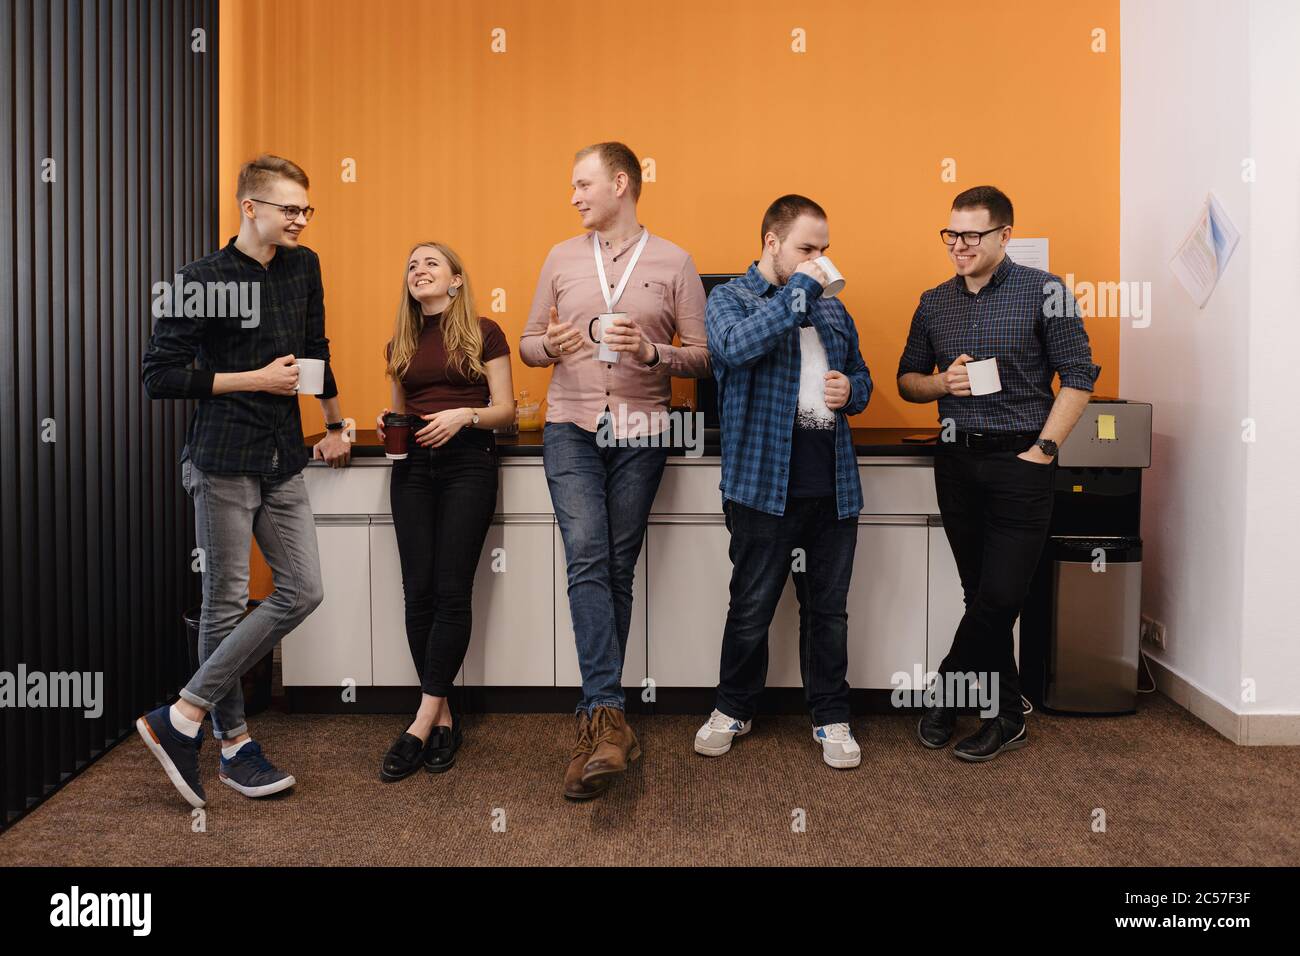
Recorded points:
(442, 427)
(379, 423)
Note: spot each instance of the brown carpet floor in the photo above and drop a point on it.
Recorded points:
(1174, 793)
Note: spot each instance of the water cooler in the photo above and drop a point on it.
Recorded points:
(1079, 631)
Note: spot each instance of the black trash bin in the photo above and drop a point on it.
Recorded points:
(256, 682)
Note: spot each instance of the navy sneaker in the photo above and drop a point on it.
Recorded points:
(178, 754)
(249, 772)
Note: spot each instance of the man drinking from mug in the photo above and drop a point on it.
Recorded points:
(634, 292)
(789, 373)
(242, 464)
(995, 463)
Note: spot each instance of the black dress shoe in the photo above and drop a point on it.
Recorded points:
(936, 726)
(995, 735)
(443, 744)
(403, 758)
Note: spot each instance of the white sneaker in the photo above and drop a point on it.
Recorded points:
(714, 738)
(839, 749)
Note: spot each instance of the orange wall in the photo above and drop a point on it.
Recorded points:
(455, 142)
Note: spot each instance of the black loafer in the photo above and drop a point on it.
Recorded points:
(936, 725)
(403, 758)
(443, 744)
(995, 735)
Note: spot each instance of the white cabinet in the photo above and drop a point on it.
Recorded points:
(690, 572)
(567, 672)
(391, 652)
(333, 644)
(904, 601)
(512, 642)
(887, 614)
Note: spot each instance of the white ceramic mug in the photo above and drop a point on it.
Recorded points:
(311, 376)
(603, 352)
(984, 378)
(835, 282)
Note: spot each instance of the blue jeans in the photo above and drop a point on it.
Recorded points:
(229, 511)
(602, 498)
(761, 558)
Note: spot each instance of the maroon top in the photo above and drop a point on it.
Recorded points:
(431, 386)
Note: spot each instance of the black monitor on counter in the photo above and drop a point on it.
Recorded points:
(706, 389)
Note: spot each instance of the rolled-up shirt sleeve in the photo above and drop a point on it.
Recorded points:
(165, 368)
(318, 346)
(1066, 343)
(532, 344)
(918, 352)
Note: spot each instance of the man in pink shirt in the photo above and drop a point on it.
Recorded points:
(603, 472)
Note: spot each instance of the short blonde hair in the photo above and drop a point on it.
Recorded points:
(256, 174)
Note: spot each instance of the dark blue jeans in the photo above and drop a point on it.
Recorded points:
(602, 498)
(761, 559)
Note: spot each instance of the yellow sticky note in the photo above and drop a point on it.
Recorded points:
(1106, 427)
(1077, 488)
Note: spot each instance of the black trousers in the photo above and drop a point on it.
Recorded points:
(996, 511)
(442, 501)
(761, 559)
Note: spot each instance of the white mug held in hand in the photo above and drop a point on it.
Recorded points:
(311, 376)
(984, 378)
(834, 281)
(603, 352)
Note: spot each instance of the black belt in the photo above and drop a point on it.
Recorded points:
(994, 441)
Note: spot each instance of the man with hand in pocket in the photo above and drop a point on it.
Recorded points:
(995, 464)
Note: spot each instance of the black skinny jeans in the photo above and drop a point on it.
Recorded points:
(996, 511)
(442, 501)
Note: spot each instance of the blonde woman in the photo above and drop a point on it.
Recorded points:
(451, 369)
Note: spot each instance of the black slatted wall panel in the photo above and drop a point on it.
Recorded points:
(95, 534)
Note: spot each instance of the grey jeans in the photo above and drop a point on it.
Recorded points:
(229, 511)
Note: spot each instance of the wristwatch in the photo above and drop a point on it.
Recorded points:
(1048, 446)
(474, 420)
(334, 426)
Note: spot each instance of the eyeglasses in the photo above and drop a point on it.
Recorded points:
(949, 236)
(290, 212)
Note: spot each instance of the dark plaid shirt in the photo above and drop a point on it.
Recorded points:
(242, 433)
(753, 330)
(1025, 318)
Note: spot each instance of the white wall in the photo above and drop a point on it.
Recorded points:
(1271, 648)
(1205, 85)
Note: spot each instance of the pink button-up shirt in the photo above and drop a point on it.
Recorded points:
(664, 296)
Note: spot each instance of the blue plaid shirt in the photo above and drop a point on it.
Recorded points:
(753, 330)
(1025, 318)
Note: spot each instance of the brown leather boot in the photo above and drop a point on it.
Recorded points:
(574, 786)
(615, 746)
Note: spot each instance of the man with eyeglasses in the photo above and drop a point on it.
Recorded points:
(242, 462)
(995, 463)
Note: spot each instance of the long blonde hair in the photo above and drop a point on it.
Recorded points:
(462, 335)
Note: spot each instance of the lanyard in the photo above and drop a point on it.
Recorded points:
(611, 301)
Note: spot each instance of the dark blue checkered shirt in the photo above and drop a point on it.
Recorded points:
(1025, 318)
(243, 433)
(753, 331)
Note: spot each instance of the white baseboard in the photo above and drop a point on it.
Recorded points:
(1248, 729)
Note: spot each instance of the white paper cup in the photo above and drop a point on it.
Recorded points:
(311, 376)
(603, 321)
(835, 285)
(984, 379)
